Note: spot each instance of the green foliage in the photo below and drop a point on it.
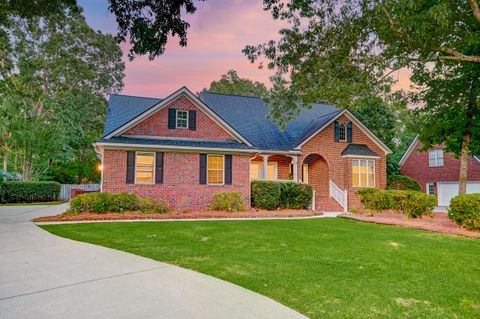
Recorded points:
(413, 204)
(375, 200)
(272, 195)
(400, 182)
(465, 211)
(231, 83)
(29, 192)
(115, 203)
(295, 195)
(228, 201)
(265, 194)
(392, 166)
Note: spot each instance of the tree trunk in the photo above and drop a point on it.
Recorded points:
(5, 162)
(464, 164)
(15, 162)
(27, 164)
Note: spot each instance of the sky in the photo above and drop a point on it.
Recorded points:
(218, 32)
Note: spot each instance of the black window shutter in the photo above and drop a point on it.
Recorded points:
(228, 169)
(158, 168)
(336, 131)
(349, 133)
(203, 168)
(172, 118)
(130, 167)
(192, 120)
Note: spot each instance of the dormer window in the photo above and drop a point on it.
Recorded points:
(182, 119)
(342, 132)
(435, 158)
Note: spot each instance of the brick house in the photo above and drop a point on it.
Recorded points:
(438, 172)
(186, 148)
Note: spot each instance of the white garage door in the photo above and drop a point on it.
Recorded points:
(446, 191)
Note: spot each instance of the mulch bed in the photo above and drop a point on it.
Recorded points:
(438, 222)
(176, 215)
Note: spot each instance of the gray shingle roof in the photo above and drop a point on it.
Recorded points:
(247, 115)
(358, 149)
(123, 108)
(166, 143)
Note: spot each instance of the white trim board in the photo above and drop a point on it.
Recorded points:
(409, 151)
(357, 122)
(195, 100)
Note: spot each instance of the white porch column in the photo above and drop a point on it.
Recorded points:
(265, 166)
(295, 168)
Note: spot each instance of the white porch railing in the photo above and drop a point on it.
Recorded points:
(340, 196)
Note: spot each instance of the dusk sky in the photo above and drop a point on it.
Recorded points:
(218, 32)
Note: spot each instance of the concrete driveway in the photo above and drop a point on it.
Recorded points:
(45, 276)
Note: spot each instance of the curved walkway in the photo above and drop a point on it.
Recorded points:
(45, 276)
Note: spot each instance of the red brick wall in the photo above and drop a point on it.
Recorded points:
(340, 169)
(416, 167)
(181, 186)
(157, 124)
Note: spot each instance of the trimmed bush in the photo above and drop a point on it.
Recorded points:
(413, 204)
(228, 201)
(265, 194)
(465, 211)
(29, 192)
(115, 203)
(376, 200)
(295, 195)
(400, 182)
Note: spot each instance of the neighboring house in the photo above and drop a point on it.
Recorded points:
(186, 148)
(438, 172)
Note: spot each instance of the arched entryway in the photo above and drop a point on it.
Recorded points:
(315, 172)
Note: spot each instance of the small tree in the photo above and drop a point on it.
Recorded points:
(231, 83)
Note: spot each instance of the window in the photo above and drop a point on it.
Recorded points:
(435, 158)
(215, 169)
(256, 170)
(363, 173)
(182, 119)
(430, 189)
(305, 173)
(342, 132)
(144, 168)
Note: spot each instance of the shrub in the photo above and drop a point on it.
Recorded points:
(29, 192)
(400, 182)
(147, 205)
(465, 211)
(265, 194)
(228, 201)
(413, 204)
(375, 200)
(124, 202)
(295, 195)
(92, 202)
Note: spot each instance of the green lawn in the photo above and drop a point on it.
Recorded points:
(324, 268)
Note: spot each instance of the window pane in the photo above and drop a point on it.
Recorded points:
(144, 168)
(182, 117)
(255, 170)
(305, 173)
(355, 170)
(439, 157)
(215, 169)
(371, 174)
(363, 173)
(271, 171)
(343, 132)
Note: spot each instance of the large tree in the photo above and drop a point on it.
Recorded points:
(342, 51)
(231, 83)
(55, 92)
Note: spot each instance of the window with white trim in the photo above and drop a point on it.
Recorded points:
(215, 167)
(182, 119)
(363, 173)
(435, 158)
(305, 173)
(256, 170)
(342, 132)
(144, 168)
(430, 189)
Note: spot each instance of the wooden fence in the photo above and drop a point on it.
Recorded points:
(66, 190)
